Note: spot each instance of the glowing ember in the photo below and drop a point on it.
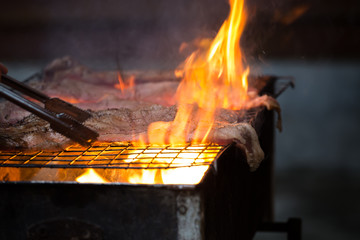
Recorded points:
(90, 176)
(213, 77)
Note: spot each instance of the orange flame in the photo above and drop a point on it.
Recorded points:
(90, 176)
(127, 85)
(213, 77)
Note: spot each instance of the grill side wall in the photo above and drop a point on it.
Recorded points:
(236, 200)
(30, 211)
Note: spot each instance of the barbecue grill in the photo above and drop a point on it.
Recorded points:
(227, 202)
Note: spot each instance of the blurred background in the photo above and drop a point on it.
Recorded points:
(316, 42)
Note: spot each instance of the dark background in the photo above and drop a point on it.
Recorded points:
(317, 42)
(138, 29)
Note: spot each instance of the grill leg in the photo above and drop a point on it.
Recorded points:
(292, 227)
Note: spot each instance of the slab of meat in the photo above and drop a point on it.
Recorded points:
(120, 115)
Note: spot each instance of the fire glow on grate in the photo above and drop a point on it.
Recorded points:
(148, 164)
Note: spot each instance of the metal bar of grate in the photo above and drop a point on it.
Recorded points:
(115, 155)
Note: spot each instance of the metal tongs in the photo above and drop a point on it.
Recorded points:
(63, 117)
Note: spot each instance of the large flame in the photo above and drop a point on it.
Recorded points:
(213, 77)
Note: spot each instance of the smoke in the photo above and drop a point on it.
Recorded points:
(137, 34)
(172, 23)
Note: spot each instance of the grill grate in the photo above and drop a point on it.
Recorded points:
(115, 155)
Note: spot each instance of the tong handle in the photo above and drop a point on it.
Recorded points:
(60, 123)
(24, 103)
(74, 130)
(55, 105)
(23, 88)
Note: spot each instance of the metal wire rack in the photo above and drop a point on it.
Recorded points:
(114, 155)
